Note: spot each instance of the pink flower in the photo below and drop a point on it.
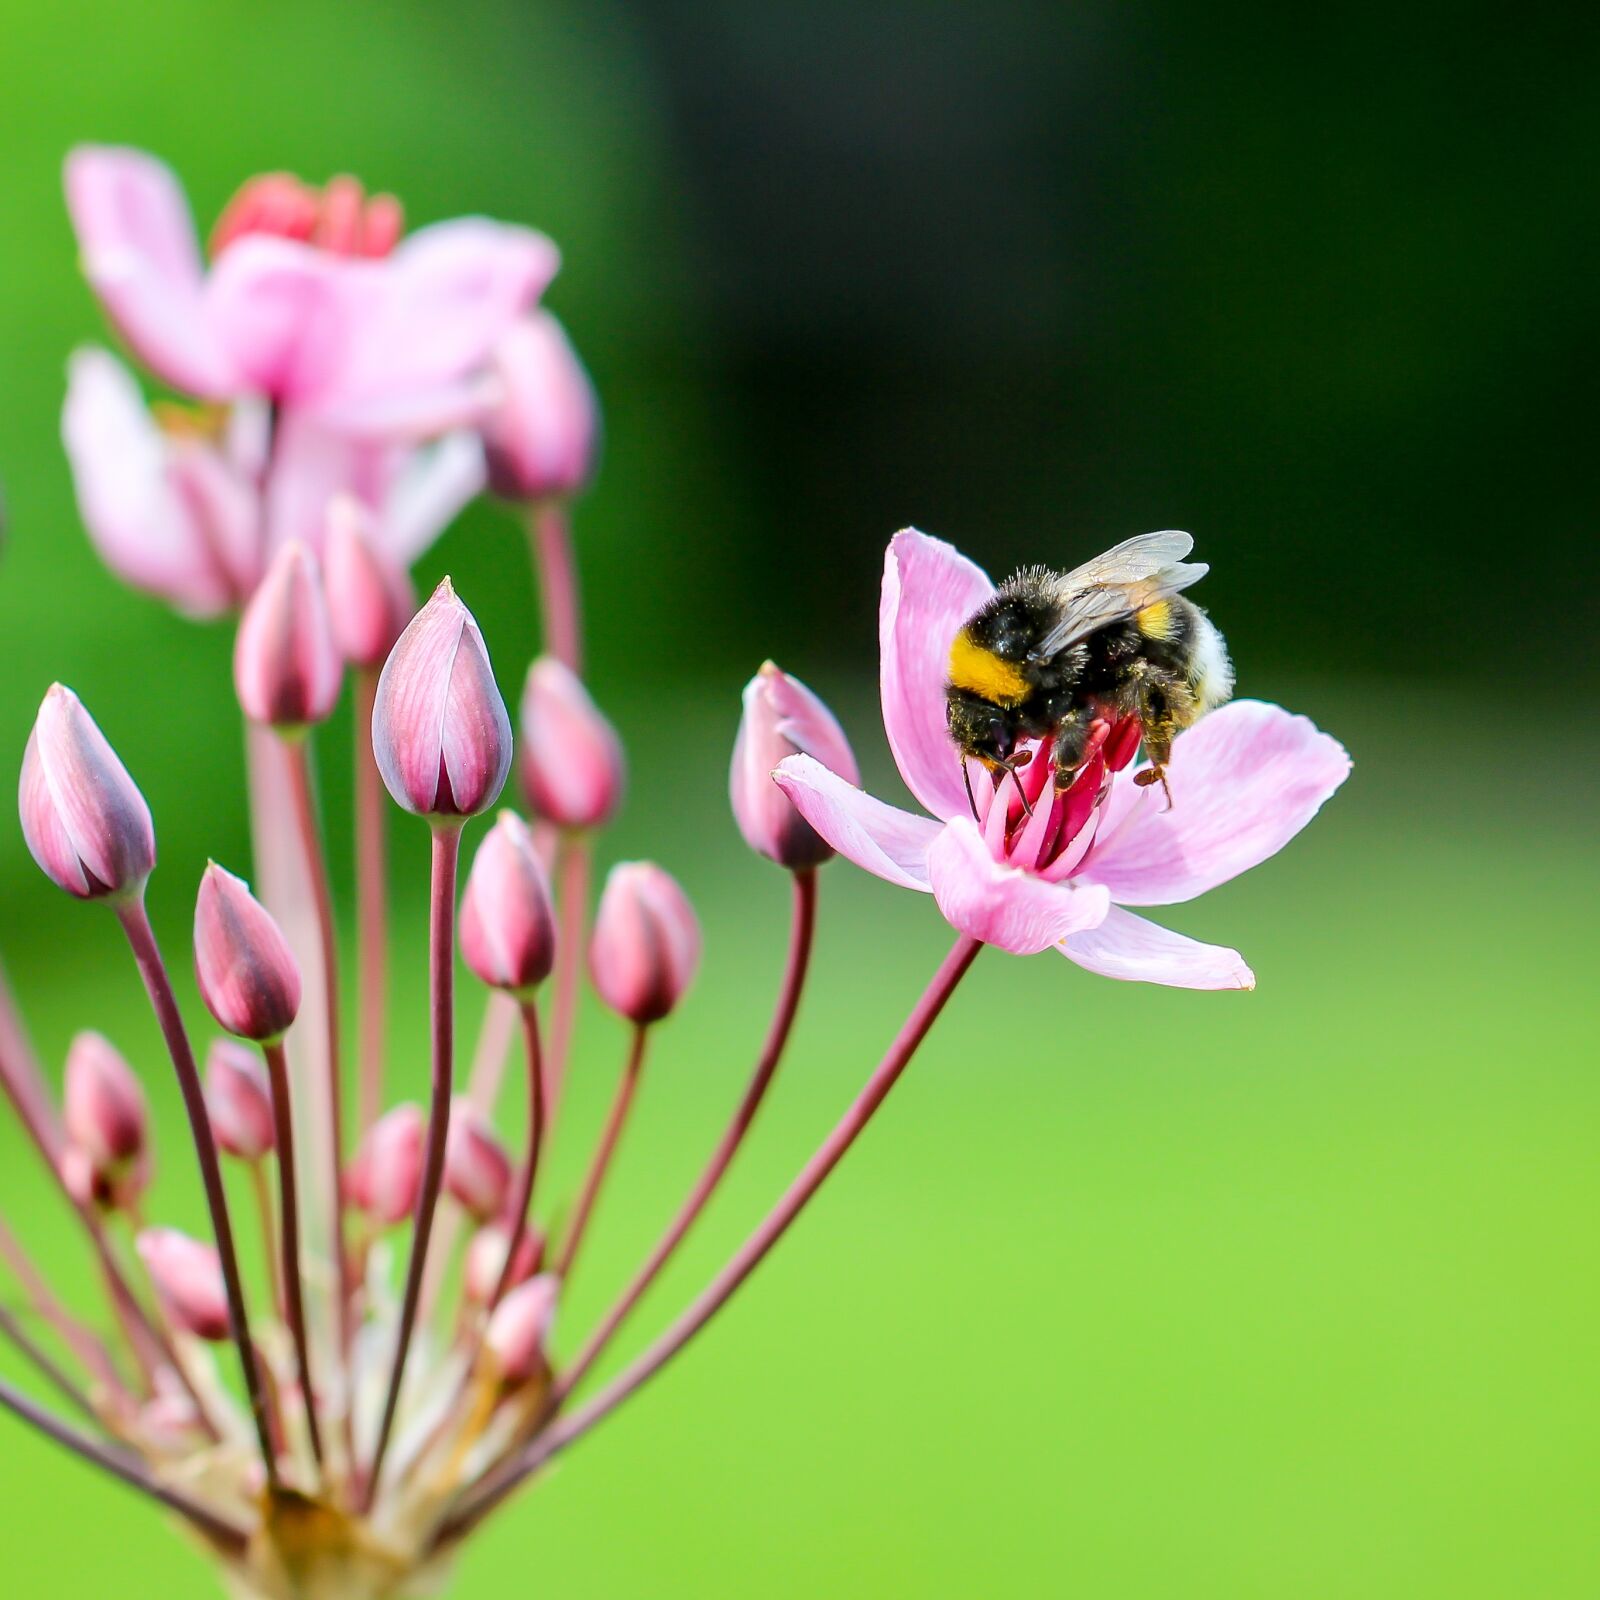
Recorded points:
(247, 973)
(386, 1173)
(239, 1100)
(173, 513)
(646, 942)
(782, 718)
(325, 318)
(103, 1107)
(571, 766)
(188, 1279)
(486, 1259)
(519, 1327)
(543, 433)
(182, 512)
(286, 667)
(84, 819)
(439, 727)
(1244, 781)
(508, 934)
(477, 1170)
(370, 597)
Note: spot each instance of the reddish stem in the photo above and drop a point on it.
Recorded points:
(530, 1163)
(147, 954)
(794, 977)
(289, 1211)
(48, 1369)
(492, 1489)
(550, 538)
(572, 891)
(604, 1152)
(298, 764)
(124, 1465)
(441, 999)
(372, 910)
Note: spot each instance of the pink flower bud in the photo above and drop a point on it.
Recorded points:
(103, 1105)
(782, 718)
(571, 765)
(248, 976)
(286, 668)
(439, 729)
(386, 1173)
(84, 819)
(646, 942)
(239, 1099)
(507, 925)
(519, 1327)
(370, 598)
(486, 1256)
(89, 1183)
(188, 1278)
(541, 439)
(477, 1170)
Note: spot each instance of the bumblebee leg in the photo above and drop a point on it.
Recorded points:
(1072, 740)
(1165, 704)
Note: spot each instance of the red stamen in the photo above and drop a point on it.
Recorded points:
(1123, 743)
(339, 218)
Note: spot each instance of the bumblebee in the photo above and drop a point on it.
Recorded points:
(1050, 653)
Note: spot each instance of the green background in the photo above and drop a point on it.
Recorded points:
(1130, 1292)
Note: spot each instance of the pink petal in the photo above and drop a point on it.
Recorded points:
(140, 254)
(929, 591)
(1003, 905)
(430, 490)
(1125, 946)
(287, 314)
(888, 842)
(448, 295)
(127, 495)
(312, 466)
(1245, 780)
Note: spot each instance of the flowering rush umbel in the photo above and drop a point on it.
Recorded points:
(337, 1425)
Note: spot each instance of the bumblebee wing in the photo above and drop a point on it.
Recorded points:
(1126, 579)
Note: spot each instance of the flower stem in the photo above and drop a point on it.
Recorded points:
(298, 763)
(493, 1488)
(269, 1235)
(530, 1163)
(794, 977)
(572, 873)
(123, 1465)
(441, 999)
(289, 1210)
(11, 1327)
(550, 539)
(604, 1152)
(372, 911)
(147, 954)
(24, 1085)
(92, 1355)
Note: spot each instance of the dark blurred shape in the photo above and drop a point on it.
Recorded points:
(1037, 277)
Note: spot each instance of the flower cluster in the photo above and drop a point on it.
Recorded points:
(339, 1427)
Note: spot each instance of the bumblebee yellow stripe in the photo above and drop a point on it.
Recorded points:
(983, 673)
(1155, 622)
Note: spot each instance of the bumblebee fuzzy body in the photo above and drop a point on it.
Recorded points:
(1049, 653)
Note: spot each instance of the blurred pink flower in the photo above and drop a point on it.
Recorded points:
(287, 670)
(397, 340)
(192, 515)
(543, 432)
(1244, 781)
(571, 764)
(187, 1275)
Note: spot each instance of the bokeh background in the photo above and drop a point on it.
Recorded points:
(1130, 1293)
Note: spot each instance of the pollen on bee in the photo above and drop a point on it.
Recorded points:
(983, 673)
